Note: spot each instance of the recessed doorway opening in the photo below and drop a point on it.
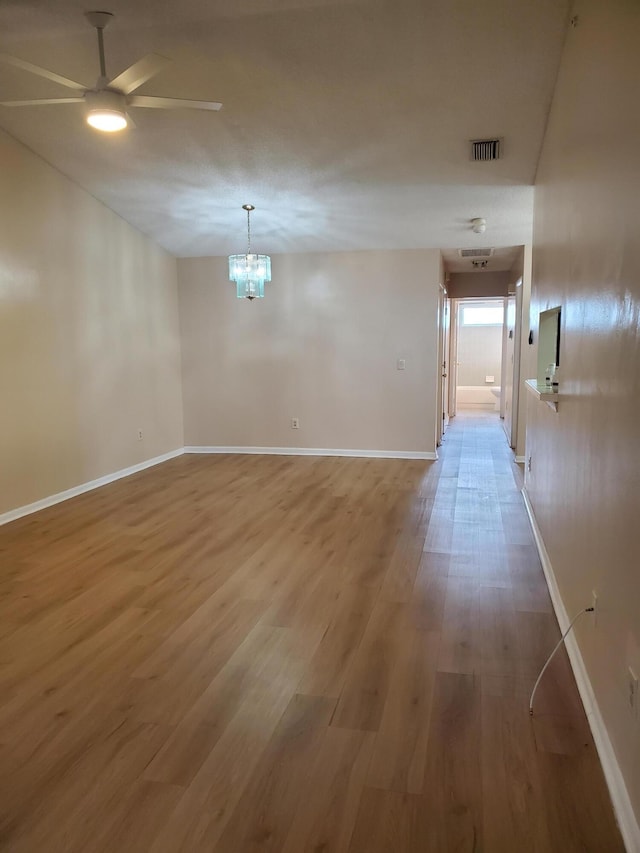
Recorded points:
(478, 356)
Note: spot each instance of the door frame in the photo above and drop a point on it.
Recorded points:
(442, 391)
(454, 341)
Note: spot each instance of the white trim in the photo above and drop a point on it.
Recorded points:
(21, 511)
(315, 451)
(615, 780)
(521, 459)
(28, 509)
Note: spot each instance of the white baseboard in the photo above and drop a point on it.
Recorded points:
(21, 511)
(615, 781)
(315, 451)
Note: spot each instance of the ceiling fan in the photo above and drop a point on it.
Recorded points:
(108, 102)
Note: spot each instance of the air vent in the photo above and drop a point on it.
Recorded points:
(486, 149)
(475, 253)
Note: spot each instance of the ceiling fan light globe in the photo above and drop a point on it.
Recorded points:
(106, 110)
(109, 121)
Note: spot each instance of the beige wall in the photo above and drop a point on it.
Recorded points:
(477, 284)
(321, 346)
(89, 346)
(479, 354)
(585, 477)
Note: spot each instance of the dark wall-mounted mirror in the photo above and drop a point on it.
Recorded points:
(548, 341)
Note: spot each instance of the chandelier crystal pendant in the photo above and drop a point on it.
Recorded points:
(249, 271)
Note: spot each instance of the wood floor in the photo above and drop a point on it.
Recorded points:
(242, 653)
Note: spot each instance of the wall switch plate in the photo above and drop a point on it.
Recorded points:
(401, 364)
(295, 423)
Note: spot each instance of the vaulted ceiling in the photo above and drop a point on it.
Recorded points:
(346, 123)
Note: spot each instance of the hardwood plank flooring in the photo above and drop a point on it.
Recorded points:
(291, 654)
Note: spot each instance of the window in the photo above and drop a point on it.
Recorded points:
(482, 315)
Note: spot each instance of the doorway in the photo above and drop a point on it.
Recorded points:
(477, 341)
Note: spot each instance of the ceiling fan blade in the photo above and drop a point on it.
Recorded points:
(139, 73)
(38, 101)
(171, 103)
(41, 72)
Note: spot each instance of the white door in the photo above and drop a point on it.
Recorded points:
(440, 357)
(509, 350)
(453, 356)
(516, 366)
(511, 381)
(446, 332)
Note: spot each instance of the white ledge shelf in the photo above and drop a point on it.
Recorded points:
(542, 392)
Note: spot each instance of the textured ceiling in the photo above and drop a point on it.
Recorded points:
(345, 123)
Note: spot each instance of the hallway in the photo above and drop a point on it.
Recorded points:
(345, 667)
(529, 784)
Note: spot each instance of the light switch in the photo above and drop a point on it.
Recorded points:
(401, 364)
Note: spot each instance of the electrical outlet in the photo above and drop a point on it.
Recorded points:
(140, 435)
(295, 423)
(594, 604)
(632, 687)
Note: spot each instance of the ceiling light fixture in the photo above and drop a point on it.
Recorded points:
(249, 271)
(108, 102)
(479, 225)
(106, 110)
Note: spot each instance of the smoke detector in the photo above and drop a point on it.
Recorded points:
(478, 225)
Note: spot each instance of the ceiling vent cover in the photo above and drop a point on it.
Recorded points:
(486, 149)
(475, 253)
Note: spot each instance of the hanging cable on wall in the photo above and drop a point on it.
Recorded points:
(550, 658)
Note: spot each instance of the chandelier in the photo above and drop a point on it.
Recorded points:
(249, 271)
